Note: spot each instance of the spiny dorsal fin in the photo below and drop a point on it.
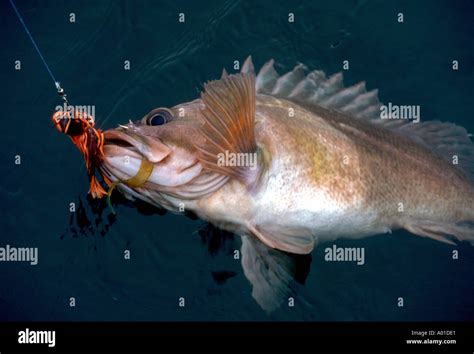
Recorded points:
(314, 88)
(447, 140)
(229, 118)
(224, 73)
(266, 78)
(248, 67)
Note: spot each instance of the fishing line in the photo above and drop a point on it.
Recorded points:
(87, 129)
(59, 89)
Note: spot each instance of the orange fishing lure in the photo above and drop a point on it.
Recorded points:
(89, 141)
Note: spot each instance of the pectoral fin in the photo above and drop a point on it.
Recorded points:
(229, 119)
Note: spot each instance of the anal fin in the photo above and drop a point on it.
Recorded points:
(443, 232)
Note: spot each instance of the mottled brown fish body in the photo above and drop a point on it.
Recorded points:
(358, 162)
(333, 176)
(326, 165)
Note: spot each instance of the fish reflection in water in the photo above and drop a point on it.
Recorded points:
(271, 273)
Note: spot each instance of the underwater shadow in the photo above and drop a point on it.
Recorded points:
(272, 273)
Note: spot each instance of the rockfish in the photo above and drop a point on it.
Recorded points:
(296, 159)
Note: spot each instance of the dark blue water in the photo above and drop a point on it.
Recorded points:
(81, 254)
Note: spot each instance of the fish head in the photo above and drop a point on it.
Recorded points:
(189, 150)
(156, 152)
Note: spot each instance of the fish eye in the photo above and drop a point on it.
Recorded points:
(159, 116)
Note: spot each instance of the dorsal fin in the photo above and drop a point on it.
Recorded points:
(229, 117)
(248, 67)
(449, 141)
(315, 88)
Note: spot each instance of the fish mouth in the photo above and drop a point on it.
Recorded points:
(124, 151)
(118, 143)
(136, 144)
(128, 153)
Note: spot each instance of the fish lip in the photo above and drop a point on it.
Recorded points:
(152, 149)
(117, 138)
